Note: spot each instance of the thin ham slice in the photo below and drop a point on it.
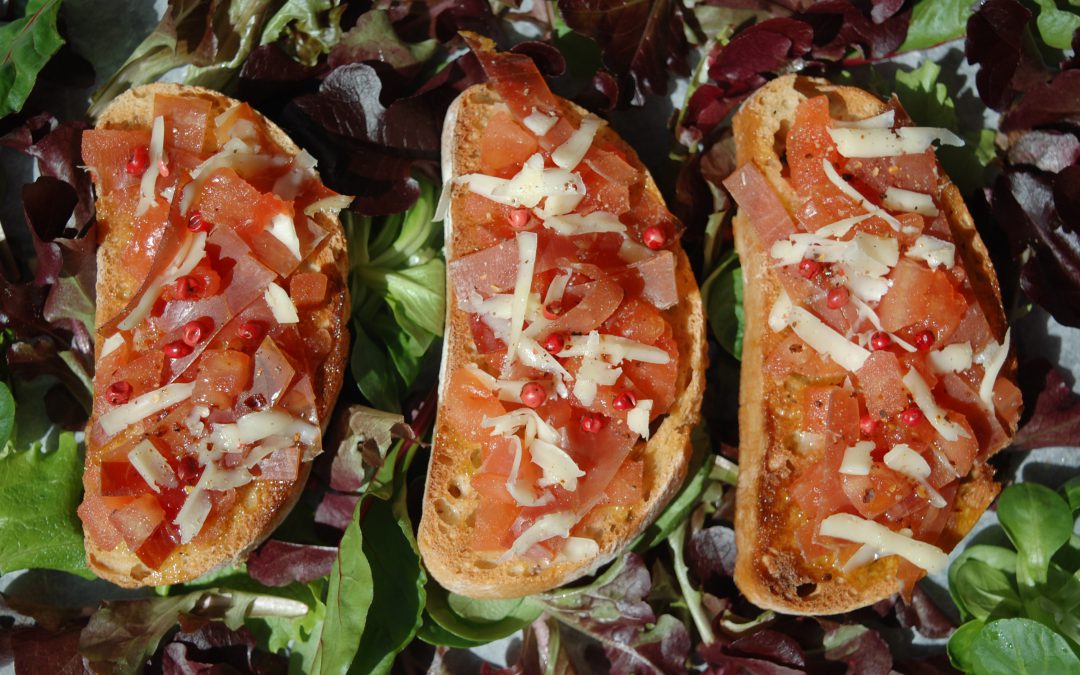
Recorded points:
(760, 204)
(657, 272)
(599, 301)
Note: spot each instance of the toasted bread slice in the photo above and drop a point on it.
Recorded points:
(260, 505)
(450, 502)
(771, 573)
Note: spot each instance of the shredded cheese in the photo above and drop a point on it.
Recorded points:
(283, 229)
(935, 252)
(850, 527)
(123, 416)
(637, 420)
(870, 142)
(558, 467)
(572, 224)
(569, 154)
(934, 413)
(992, 368)
(883, 121)
(546, 527)
(857, 460)
(153, 468)
(526, 247)
(153, 168)
(825, 340)
(617, 348)
(540, 122)
(902, 459)
(281, 305)
(952, 358)
(911, 202)
(193, 514)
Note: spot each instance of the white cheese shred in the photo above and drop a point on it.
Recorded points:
(852, 528)
(843, 186)
(935, 414)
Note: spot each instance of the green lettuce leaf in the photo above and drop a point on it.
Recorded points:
(309, 27)
(936, 21)
(39, 492)
(27, 44)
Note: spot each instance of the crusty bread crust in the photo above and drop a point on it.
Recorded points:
(260, 506)
(450, 502)
(775, 577)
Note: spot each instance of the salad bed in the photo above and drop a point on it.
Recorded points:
(339, 587)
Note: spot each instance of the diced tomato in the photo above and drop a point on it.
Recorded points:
(762, 208)
(187, 122)
(875, 494)
(627, 488)
(308, 289)
(960, 453)
(808, 143)
(491, 528)
(973, 328)
(107, 152)
(834, 413)
(880, 379)
(137, 520)
(919, 362)
(227, 200)
(963, 396)
(222, 375)
(612, 166)
(921, 299)
(95, 510)
(241, 121)
(602, 194)
(1008, 402)
(159, 545)
(299, 401)
(119, 478)
(636, 320)
(281, 465)
(817, 491)
(505, 145)
(793, 355)
(466, 402)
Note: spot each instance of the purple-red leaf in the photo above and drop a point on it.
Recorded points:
(924, 615)
(1046, 150)
(711, 552)
(764, 48)
(995, 43)
(336, 510)
(1056, 418)
(863, 649)
(643, 41)
(1054, 102)
(37, 651)
(773, 646)
(280, 563)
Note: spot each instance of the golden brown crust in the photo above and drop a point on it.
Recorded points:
(775, 577)
(450, 502)
(260, 506)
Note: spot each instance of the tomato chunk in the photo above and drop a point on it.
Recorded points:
(222, 375)
(308, 289)
(505, 145)
(921, 299)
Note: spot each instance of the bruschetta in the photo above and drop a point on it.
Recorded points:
(221, 335)
(574, 357)
(876, 370)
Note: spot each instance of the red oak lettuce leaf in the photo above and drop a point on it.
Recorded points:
(721, 662)
(840, 26)
(996, 44)
(1050, 151)
(336, 510)
(280, 563)
(1024, 204)
(214, 648)
(752, 57)
(923, 614)
(1056, 417)
(1054, 102)
(771, 645)
(614, 610)
(36, 650)
(711, 552)
(643, 41)
(862, 648)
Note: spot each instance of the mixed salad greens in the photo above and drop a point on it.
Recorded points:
(364, 87)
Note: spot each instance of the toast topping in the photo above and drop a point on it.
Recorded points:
(564, 276)
(878, 359)
(204, 382)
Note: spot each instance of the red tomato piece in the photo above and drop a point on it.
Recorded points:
(505, 145)
(159, 545)
(636, 320)
(222, 375)
(921, 299)
(808, 143)
(308, 289)
(281, 465)
(187, 122)
(106, 153)
(137, 520)
(466, 402)
(880, 379)
(627, 488)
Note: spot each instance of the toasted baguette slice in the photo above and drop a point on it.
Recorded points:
(770, 575)
(450, 503)
(260, 505)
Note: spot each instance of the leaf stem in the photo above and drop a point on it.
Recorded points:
(677, 542)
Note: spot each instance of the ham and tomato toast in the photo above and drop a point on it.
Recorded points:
(574, 358)
(876, 370)
(221, 332)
